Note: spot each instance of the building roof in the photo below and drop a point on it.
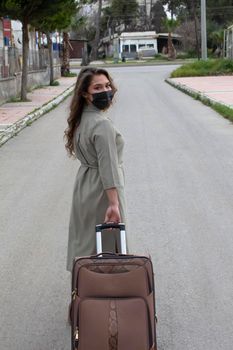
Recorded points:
(165, 35)
(138, 35)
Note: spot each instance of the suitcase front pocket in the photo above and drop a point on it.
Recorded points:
(113, 324)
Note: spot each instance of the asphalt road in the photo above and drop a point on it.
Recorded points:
(179, 166)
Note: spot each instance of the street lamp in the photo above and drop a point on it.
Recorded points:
(203, 31)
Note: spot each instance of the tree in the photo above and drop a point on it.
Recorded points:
(219, 15)
(28, 11)
(95, 45)
(61, 20)
(158, 15)
(77, 25)
(217, 41)
(220, 12)
(170, 25)
(172, 6)
(188, 37)
(183, 10)
(124, 12)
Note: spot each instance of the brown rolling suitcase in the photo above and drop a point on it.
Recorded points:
(113, 300)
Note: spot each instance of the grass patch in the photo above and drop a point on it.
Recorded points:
(14, 100)
(29, 122)
(225, 111)
(55, 83)
(69, 75)
(204, 68)
(37, 87)
(17, 100)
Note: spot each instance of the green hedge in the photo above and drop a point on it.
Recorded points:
(204, 68)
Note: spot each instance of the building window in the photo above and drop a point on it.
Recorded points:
(125, 48)
(141, 46)
(150, 46)
(133, 48)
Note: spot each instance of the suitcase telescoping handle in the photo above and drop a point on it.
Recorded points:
(101, 227)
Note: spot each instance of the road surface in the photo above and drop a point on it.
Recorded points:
(179, 186)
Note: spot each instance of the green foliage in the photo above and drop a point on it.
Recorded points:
(170, 24)
(29, 9)
(46, 15)
(204, 68)
(186, 55)
(69, 75)
(173, 6)
(124, 11)
(59, 19)
(225, 111)
(158, 15)
(55, 83)
(220, 12)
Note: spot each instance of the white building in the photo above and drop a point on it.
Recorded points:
(136, 44)
(17, 35)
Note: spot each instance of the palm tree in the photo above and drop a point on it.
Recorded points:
(170, 25)
(217, 40)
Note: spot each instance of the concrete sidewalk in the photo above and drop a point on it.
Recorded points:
(218, 89)
(14, 116)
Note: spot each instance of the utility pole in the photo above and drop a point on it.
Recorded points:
(203, 30)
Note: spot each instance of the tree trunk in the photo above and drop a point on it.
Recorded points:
(65, 68)
(196, 28)
(171, 48)
(145, 21)
(25, 61)
(40, 50)
(150, 15)
(94, 50)
(50, 50)
(85, 56)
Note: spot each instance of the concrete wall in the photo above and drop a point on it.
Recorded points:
(10, 87)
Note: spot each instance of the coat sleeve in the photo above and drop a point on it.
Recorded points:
(104, 139)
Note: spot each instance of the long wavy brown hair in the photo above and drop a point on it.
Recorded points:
(78, 102)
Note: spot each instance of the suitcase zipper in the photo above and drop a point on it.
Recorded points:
(76, 338)
(74, 294)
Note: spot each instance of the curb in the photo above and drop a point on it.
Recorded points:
(196, 94)
(14, 129)
(119, 65)
(184, 88)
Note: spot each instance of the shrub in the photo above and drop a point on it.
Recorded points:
(204, 68)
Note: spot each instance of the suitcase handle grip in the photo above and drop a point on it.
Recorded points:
(105, 254)
(120, 226)
(108, 225)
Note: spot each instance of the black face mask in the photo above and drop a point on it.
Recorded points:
(102, 100)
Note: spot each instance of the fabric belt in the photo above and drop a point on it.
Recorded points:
(92, 166)
(89, 166)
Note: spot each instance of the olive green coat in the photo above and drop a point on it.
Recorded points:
(99, 148)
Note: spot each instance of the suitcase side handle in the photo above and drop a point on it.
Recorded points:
(120, 226)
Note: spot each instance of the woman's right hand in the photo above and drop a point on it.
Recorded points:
(112, 214)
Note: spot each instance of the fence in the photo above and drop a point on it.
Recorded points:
(228, 39)
(11, 60)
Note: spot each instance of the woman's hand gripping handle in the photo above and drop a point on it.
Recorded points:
(112, 213)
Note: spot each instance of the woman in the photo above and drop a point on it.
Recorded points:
(99, 187)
